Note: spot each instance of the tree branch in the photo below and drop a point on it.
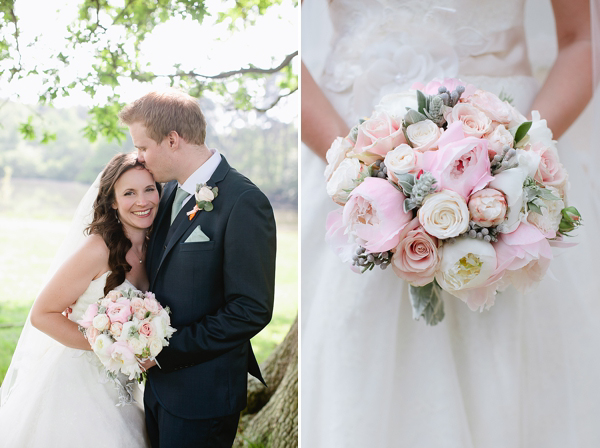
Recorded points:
(127, 5)
(275, 102)
(14, 21)
(242, 71)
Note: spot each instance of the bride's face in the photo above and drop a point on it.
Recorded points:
(136, 198)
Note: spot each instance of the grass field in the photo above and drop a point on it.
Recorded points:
(34, 219)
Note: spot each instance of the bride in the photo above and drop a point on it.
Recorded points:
(522, 374)
(55, 393)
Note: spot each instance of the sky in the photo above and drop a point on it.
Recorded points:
(208, 48)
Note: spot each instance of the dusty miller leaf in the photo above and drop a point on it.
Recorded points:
(427, 302)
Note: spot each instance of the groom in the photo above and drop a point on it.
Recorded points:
(215, 270)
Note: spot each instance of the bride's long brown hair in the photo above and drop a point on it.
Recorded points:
(105, 222)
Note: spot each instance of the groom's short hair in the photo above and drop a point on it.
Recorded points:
(167, 110)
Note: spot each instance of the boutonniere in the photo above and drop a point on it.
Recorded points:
(204, 197)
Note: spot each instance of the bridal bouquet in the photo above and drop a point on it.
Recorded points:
(452, 187)
(125, 328)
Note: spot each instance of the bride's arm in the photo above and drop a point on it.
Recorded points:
(568, 87)
(321, 124)
(65, 287)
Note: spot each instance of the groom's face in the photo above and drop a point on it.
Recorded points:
(154, 156)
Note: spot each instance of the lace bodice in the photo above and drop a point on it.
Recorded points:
(384, 46)
(94, 292)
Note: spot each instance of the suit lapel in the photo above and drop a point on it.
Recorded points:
(182, 222)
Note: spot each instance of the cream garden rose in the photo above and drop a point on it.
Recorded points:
(336, 154)
(551, 216)
(444, 214)
(344, 180)
(475, 123)
(101, 322)
(423, 135)
(403, 159)
(498, 139)
(204, 194)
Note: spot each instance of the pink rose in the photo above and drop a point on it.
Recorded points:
(147, 329)
(151, 305)
(375, 213)
(496, 109)
(449, 83)
(416, 258)
(114, 295)
(149, 295)
(377, 136)
(116, 328)
(91, 334)
(119, 312)
(137, 303)
(487, 207)
(550, 171)
(460, 164)
(498, 139)
(474, 122)
(88, 316)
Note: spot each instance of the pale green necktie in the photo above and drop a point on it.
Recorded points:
(178, 202)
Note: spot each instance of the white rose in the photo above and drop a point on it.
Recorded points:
(155, 346)
(551, 216)
(101, 322)
(336, 154)
(395, 104)
(343, 179)
(510, 182)
(401, 160)
(475, 123)
(102, 346)
(423, 135)
(499, 139)
(205, 194)
(444, 214)
(467, 263)
(138, 343)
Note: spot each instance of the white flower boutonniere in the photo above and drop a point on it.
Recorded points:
(204, 197)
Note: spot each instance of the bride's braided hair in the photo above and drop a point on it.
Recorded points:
(105, 222)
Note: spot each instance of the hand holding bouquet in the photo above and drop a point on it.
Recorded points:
(125, 328)
(453, 188)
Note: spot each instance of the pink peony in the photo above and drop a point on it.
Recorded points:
(121, 358)
(88, 316)
(119, 312)
(523, 256)
(487, 207)
(375, 213)
(460, 164)
(416, 258)
(377, 136)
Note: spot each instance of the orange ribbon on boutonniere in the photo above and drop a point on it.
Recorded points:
(204, 197)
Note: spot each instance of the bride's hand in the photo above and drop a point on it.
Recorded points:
(147, 364)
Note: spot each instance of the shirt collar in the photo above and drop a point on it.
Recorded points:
(203, 173)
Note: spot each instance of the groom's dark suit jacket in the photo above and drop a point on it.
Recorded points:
(220, 293)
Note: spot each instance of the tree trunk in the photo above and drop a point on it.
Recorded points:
(271, 417)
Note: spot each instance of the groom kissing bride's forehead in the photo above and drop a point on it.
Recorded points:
(211, 260)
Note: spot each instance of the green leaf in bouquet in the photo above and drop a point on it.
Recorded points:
(520, 131)
(532, 206)
(427, 302)
(412, 117)
(422, 102)
(406, 181)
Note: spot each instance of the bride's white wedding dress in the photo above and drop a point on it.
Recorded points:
(60, 397)
(523, 374)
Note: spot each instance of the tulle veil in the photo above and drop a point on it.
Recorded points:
(33, 344)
